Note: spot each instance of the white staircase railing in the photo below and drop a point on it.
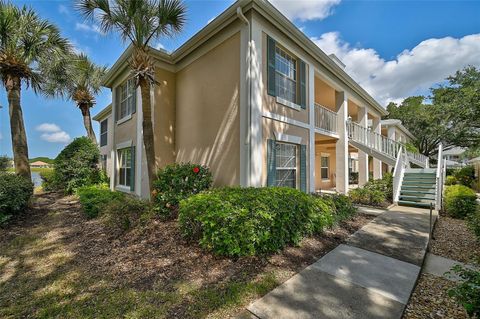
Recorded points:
(398, 173)
(325, 119)
(419, 159)
(439, 178)
(373, 140)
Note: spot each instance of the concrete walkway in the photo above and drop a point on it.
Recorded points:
(372, 276)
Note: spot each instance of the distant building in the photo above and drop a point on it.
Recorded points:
(454, 156)
(39, 164)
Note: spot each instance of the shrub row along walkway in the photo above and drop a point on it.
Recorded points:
(372, 276)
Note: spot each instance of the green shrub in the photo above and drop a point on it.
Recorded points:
(4, 163)
(94, 198)
(124, 213)
(467, 292)
(49, 180)
(450, 180)
(15, 194)
(342, 206)
(473, 221)
(77, 166)
(376, 192)
(251, 221)
(176, 182)
(460, 201)
(466, 175)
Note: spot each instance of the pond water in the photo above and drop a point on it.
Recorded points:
(36, 179)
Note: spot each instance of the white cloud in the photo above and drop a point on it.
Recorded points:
(305, 9)
(53, 133)
(63, 9)
(77, 48)
(412, 71)
(159, 46)
(88, 28)
(48, 127)
(57, 137)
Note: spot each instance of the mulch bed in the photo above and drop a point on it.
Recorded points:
(430, 300)
(452, 239)
(156, 255)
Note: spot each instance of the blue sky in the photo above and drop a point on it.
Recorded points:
(393, 48)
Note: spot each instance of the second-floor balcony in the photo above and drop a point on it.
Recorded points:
(325, 119)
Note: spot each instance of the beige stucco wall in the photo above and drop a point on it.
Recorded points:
(330, 150)
(164, 117)
(269, 102)
(126, 131)
(324, 94)
(207, 117)
(271, 128)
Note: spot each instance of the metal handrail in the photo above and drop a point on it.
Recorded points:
(374, 140)
(325, 119)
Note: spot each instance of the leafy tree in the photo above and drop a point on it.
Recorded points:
(452, 117)
(139, 22)
(4, 162)
(80, 82)
(28, 44)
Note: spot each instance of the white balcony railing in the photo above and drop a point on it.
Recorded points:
(373, 140)
(419, 159)
(325, 119)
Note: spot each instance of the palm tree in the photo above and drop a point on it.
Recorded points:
(139, 22)
(28, 43)
(80, 82)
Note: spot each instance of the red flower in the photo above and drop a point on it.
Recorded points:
(196, 170)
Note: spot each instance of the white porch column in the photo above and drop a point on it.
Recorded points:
(391, 135)
(377, 164)
(113, 152)
(341, 103)
(256, 125)
(362, 156)
(311, 118)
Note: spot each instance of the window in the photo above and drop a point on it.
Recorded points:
(324, 167)
(126, 99)
(286, 165)
(103, 158)
(286, 75)
(125, 169)
(103, 132)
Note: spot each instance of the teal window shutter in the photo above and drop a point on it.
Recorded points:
(302, 76)
(271, 66)
(303, 168)
(271, 164)
(132, 169)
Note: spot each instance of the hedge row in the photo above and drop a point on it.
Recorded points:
(251, 221)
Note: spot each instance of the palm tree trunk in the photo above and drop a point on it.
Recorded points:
(87, 122)
(17, 128)
(148, 140)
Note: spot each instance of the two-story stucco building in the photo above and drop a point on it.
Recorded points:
(254, 99)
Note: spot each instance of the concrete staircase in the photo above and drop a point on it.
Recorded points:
(418, 188)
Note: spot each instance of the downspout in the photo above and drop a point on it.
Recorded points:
(248, 141)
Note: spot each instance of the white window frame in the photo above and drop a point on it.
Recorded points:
(104, 133)
(121, 156)
(289, 73)
(325, 155)
(127, 88)
(287, 168)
